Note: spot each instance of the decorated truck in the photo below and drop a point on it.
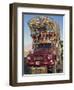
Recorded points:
(46, 48)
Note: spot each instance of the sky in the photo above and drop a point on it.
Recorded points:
(27, 32)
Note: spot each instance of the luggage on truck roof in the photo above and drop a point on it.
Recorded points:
(42, 23)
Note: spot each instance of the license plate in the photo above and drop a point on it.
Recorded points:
(37, 70)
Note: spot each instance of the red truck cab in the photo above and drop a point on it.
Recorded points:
(41, 57)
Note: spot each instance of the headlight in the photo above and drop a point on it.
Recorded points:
(51, 61)
(28, 58)
(48, 57)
